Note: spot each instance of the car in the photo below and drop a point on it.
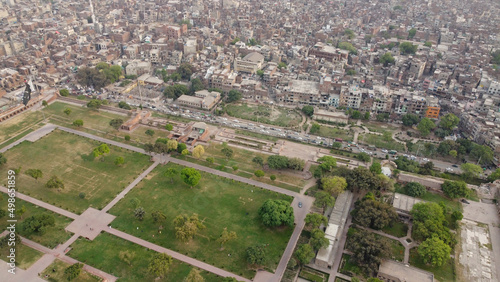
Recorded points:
(464, 201)
(385, 151)
(426, 159)
(300, 204)
(454, 165)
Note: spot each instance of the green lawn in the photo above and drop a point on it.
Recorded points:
(332, 132)
(55, 272)
(446, 272)
(379, 142)
(17, 124)
(265, 114)
(53, 235)
(104, 253)
(98, 120)
(379, 127)
(398, 229)
(68, 157)
(220, 203)
(454, 205)
(25, 256)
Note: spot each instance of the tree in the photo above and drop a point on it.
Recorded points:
(334, 185)
(495, 57)
(233, 96)
(308, 110)
(259, 173)
(67, 111)
(455, 189)
(415, 189)
(170, 173)
(282, 65)
(260, 73)
(210, 160)
(169, 127)
(196, 85)
(349, 33)
(410, 119)
(470, 171)
(101, 150)
(78, 123)
(428, 44)
(366, 116)
(277, 162)
(159, 264)
(35, 173)
(367, 250)
(296, 163)
(407, 48)
(194, 276)
(412, 33)
(185, 152)
(315, 128)
(116, 123)
(327, 163)
(425, 126)
(428, 221)
(54, 182)
(382, 117)
(453, 153)
(276, 213)
(21, 211)
(181, 147)
(228, 152)
(175, 91)
(94, 104)
(348, 46)
(158, 216)
(150, 132)
(119, 161)
(198, 151)
(314, 220)
(226, 236)
(127, 137)
(376, 168)
(449, 121)
(73, 271)
(387, 59)
(124, 105)
(257, 255)
(318, 240)
(185, 70)
(427, 168)
(324, 199)
(38, 223)
(64, 92)
(258, 160)
(482, 153)
(361, 178)
(304, 253)
(190, 176)
(492, 177)
(434, 251)
(272, 177)
(139, 213)
(126, 256)
(3, 160)
(172, 145)
(374, 214)
(364, 157)
(186, 227)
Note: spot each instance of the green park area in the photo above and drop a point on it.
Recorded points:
(381, 141)
(87, 181)
(25, 256)
(19, 125)
(445, 272)
(331, 132)
(55, 272)
(219, 202)
(27, 214)
(126, 260)
(283, 117)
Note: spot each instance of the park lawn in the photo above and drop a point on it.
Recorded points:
(25, 256)
(436, 198)
(53, 235)
(55, 272)
(265, 114)
(332, 132)
(104, 253)
(18, 124)
(380, 127)
(68, 156)
(445, 272)
(98, 120)
(379, 142)
(398, 229)
(220, 203)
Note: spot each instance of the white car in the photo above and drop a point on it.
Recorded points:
(426, 159)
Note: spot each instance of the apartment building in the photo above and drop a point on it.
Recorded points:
(251, 63)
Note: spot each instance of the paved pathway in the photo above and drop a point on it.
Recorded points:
(33, 136)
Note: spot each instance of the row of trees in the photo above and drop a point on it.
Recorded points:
(100, 76)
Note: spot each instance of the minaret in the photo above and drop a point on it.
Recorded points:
(97, 27)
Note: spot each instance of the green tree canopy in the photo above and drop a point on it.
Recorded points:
(425, 126)
(374, 214)
(415, 189)
(64, 92)
(257, 255)
(116, 123)
(233, 96)
(318, 240)
(470, 170)
(410, 119)
(308, 110)
(55, 182)
(324, 199)
(38, 223)
(186, 227)
(407, 48)
(434, 251)
(412, 33)
(348, 46)
(175, 91)
(455, 189)
(277, 162)
(387, 59)
(367, 250)
(334, 185)
(376, 168)
(276, 213)
(327, 163)
(304, 253)
(159, 264)
(449, 121)
(314, 220)
(190, 176)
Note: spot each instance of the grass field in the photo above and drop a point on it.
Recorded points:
(55, 272)
(332, 132)
(18, 124)
(379, 126)
(379, 142)
(25, 256)
(445, 272)
(53, 235)
(436, 198)
(398, 229)
(69, 157)
(220, 203)
(265, 114)
(104, 253)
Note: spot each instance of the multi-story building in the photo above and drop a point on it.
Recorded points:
(251, 63)
(203, 99)
(329, 53)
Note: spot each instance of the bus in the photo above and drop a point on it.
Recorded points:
(392, 152)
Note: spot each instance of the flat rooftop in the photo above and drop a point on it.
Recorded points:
(405, 273)
(404, 202)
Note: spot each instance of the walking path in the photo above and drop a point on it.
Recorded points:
(300, 213)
